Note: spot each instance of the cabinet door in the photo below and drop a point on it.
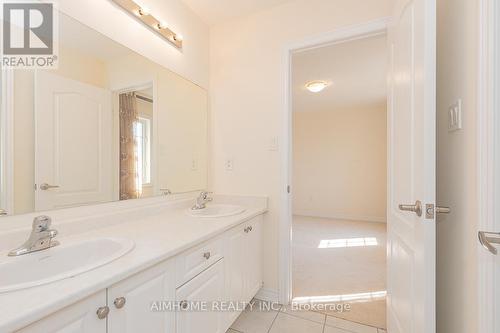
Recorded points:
(253, 258)
(234, 267)
(141, 302)
(202, 290)
(80, 317)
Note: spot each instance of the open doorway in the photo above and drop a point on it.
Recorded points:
(339, 177)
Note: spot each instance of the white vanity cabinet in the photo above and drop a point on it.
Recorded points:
(224, 268)
(80, 317)
(243, 256)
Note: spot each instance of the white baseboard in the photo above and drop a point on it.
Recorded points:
(377, 219)
(268, 295)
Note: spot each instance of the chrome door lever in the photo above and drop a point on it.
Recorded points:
(416, 208)
(487, 239)
(45, 186)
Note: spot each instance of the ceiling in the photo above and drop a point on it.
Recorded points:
(216, 11)
(355, 71)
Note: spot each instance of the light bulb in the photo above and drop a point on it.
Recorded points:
(144, 11)
(316, 86)
(162, 25)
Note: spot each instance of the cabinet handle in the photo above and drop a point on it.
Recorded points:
(183, 305)
(207, 255)
(102, 312)
(120, 302)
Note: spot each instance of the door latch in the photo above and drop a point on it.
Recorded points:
(431, 210)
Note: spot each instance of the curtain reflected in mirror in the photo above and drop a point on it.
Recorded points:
(130, 180)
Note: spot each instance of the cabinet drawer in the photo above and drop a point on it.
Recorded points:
(196, 260)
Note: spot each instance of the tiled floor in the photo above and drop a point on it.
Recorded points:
(283, 320)
(341, 262)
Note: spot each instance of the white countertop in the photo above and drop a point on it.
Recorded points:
(158, 236)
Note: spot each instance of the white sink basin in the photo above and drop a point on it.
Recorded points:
(217, 210)
(59, 262)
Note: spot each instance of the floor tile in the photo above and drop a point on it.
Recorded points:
(285, 323)
(349, 325)
(304, 314)
(255, 319)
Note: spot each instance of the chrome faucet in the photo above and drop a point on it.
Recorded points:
(41, 237)
(202, 200)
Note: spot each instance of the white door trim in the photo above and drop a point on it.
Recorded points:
(488, 143)
(7, 141)
(344, 34)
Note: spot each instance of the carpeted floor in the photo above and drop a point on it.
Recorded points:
(338, 261)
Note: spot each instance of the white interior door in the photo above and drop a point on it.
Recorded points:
(412, 168)
(72, 143)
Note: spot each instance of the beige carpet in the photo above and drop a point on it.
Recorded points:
(337, 261)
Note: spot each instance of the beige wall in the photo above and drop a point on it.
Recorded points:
(247, 97)
(340, 164)
(456, 233)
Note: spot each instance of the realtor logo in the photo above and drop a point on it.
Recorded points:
(29, 34)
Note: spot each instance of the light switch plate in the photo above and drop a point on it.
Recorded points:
(455, 116)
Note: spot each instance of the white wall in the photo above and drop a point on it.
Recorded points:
(457, 158)
(340, 164)
(109, 19)
(247, 97)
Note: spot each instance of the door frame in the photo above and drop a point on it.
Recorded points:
(488, 141)
(341, 35)
(7, 141)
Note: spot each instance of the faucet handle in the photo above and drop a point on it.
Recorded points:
(41, 223)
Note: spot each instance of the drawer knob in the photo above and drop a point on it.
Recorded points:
(207, 255)
(102, 312)
(120, 302)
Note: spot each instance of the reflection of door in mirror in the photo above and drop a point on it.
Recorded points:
(73, 164)
(136, 117)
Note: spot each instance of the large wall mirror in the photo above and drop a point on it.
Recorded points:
(107, 125)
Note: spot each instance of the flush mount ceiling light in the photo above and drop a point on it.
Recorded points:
(145, 16)
(316, 86)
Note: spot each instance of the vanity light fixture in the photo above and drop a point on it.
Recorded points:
(316, 86)
(145, 16)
